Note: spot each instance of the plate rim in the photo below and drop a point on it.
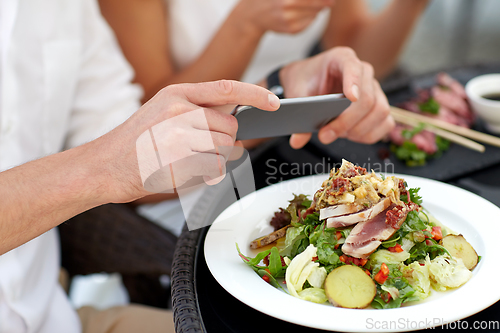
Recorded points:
(383, 315)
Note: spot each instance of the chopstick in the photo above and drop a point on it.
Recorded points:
(467, 132)
(442, 133)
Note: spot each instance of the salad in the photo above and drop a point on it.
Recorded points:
(362, 240)
(446, 101)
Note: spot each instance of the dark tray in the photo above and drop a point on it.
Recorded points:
(457, 162)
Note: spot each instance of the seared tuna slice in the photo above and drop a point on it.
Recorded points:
(366, 236)
(364, 215)
(338, 210)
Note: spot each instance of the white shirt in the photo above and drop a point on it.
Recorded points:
(193, 24)
(63, 82)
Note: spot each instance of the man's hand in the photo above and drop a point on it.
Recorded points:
(41, 194)
(176, 136)
(368, 118)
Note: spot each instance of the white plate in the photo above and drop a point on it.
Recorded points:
(477, 219)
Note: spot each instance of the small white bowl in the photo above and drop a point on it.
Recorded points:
(487, 109)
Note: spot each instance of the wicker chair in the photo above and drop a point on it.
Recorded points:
(113, 238)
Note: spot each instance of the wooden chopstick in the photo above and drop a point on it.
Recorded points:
(442, 133)
(467, 132)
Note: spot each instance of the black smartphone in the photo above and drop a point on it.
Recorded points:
(295, 115)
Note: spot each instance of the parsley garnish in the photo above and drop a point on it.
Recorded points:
(431, 106)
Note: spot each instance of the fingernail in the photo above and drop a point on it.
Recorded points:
(274, 101)
(328, 136)
(355, 91)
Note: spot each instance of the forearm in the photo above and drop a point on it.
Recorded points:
(41, 194)
(379, 39)
(227, 56)
(142, 29)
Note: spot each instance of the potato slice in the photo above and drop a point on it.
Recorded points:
(268, 239)
(349, 286)
(460, 248)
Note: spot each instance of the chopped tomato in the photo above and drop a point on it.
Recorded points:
(336, 246)
(266, 278)
(386, 297)
(428, 242)
(368, 272)
(314, 258)
(382, 275)
(352, 260)
(384, 269)
(338, 234)
(395, 248)
(268, 271)
(436, 233)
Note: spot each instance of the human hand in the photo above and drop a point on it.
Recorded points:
(285, 16)
(177, 136)
(367, 120)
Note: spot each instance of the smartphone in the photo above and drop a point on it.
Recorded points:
(295, 115)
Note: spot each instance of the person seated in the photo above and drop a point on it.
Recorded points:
(175, 41)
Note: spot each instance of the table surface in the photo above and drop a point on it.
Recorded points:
(202, 305)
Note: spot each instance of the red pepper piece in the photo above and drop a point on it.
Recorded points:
(395, 248)
(437, 233)
(383, 274)
(386, 297)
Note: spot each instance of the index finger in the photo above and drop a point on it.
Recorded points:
(230, 92)
(348, 67)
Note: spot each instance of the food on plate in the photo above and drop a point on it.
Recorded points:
(268, 239)
(362, 240)
(350, 287)
(445, 101)
(458, 247)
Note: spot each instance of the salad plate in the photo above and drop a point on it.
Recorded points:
(463, 212)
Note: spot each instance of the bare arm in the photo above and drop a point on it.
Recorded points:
(41, 194)
(376, 39)
(141, 27)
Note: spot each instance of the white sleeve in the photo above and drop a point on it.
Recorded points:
(105, 96)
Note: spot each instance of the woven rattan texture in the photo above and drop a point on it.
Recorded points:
(184, 303)
(113, 238)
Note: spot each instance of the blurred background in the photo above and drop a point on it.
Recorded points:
(452, 33)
